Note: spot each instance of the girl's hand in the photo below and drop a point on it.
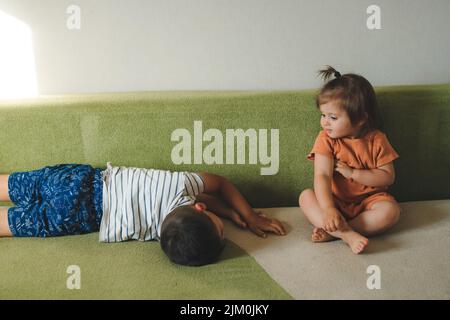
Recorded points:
(333, 220)
(343, 169)
(259, 223)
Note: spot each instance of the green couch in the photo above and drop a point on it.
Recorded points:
(198, 131)
(134, 129)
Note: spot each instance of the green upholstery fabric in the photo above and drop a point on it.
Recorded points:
(35, 268)
(134, 129)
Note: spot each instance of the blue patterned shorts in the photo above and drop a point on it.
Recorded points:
(59, 200)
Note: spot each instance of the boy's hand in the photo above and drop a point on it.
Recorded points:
(343, 169)
(259, 223)
(237, 219)
(215, 184)
(333, 220)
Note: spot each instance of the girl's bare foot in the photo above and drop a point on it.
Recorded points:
(320, 235)
(356, 241)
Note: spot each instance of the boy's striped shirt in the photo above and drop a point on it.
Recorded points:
(136, 200)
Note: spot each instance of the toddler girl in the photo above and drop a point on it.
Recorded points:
(353, 165)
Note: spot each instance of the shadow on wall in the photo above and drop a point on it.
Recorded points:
(17, 61)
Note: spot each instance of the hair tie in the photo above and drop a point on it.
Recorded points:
(337, 74)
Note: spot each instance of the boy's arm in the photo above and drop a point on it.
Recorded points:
(379, 177)
(323, 174)
(215, 184)
(218, 207)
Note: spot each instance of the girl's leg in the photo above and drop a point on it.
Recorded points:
(4, 225)
(382, 216)
(311, 209)
(4, 195)
(310, 206)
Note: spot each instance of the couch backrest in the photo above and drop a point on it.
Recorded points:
(198, 131)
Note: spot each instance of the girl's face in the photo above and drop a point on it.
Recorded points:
(335, 121)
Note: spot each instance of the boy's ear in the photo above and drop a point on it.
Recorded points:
(200, 206)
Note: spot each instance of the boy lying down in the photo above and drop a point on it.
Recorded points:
(180, 209)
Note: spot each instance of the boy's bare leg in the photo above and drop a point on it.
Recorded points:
(315, 215)
(4, 195)
(4, 225)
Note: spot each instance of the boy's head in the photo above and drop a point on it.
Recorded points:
(192, 236)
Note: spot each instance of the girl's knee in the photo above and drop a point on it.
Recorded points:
(305, 197)
(389, 213)
(392, 213)
(396, 211)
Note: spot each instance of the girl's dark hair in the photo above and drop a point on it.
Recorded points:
(356, 96)
(190, 238)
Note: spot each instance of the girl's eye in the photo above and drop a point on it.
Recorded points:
(333, 118)
(322, 116)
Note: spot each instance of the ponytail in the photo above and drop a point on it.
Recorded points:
(326, 73)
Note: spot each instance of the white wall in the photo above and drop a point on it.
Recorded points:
(133, 45)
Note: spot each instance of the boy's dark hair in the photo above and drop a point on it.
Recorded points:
(356, 96)
(190, 238)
